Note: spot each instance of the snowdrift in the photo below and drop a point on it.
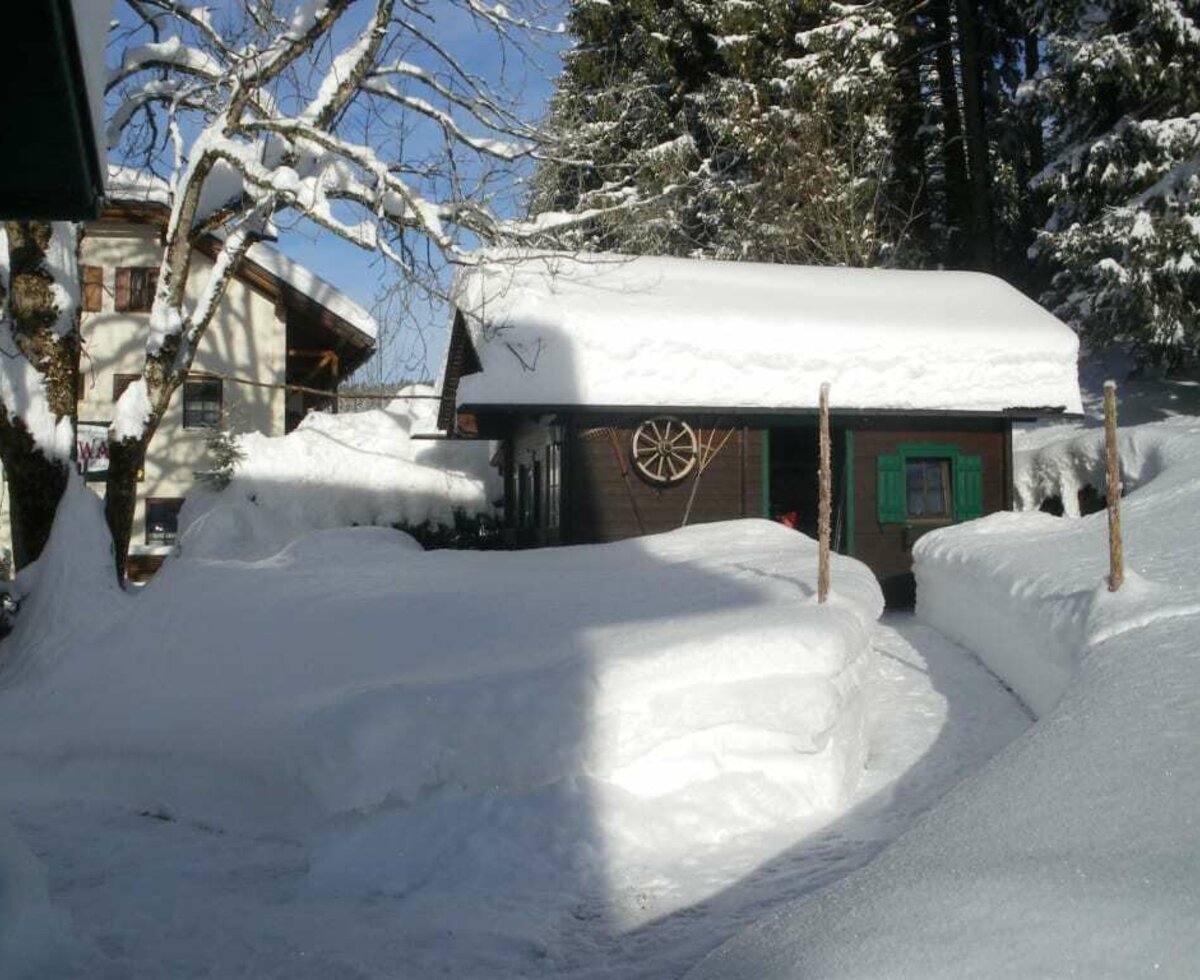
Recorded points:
(1076, 851)
(360, 468)
(692, 670)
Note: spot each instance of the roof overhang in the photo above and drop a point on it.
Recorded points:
(1013, 414)
(356, 346)
(54, 164)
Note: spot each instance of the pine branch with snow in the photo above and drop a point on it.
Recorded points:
(1123, 236)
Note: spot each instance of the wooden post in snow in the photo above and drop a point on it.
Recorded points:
(1116, 556)
(825, 504)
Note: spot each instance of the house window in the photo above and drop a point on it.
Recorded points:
(121, 382)
(135, 289)
(162, 519)
(553, 484)
(927, 488)
(928, 482)
(202, 403)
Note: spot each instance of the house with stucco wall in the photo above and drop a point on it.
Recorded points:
(278, 325)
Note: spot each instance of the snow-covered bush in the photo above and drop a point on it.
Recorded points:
(334, 471)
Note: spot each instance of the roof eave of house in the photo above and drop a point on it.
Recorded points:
(361, 344)
(1015, 414)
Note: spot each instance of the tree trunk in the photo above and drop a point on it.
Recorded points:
(954, 158)
(125, 461)
(911, 181)
(36, 475)
(1037, 151)
(35, 486)
(972, 59)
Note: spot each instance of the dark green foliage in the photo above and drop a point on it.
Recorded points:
(480, 532)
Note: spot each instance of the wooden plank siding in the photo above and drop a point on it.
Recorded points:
(887, 548)
(600, 505)
(761, 465)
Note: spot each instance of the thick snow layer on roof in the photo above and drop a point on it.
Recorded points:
(614, 330)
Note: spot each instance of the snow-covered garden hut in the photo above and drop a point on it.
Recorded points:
(634, 395)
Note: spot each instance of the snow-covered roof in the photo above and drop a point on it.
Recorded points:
(610, 330)
(130, 184)
(314, 287)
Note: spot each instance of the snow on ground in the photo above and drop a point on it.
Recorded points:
(499, 884)
(361, 468)
(1076, 852)
(494, 757)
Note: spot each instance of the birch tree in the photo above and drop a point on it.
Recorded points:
(321, 113)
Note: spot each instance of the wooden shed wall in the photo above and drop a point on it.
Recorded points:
(887, 548)
(600, 504)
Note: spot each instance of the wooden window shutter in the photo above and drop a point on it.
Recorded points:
(124, 285)
(93, 288)
(968, 488)
(889, 489)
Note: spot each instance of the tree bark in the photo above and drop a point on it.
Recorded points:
(35, 486)
(36, 481)
(972, 59)
(954, 156)
(911, 182)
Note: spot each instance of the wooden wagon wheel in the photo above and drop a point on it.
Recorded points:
(664, 449)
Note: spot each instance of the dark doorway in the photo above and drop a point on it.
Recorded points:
(794, 470)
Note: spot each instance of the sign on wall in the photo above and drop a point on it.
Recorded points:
(91, 449)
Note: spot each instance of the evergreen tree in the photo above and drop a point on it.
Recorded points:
(1122, 92)
(628, 130)
(754, 130)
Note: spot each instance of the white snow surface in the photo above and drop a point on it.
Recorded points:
(555, 329)
(292, 707)
(1076, 852)
(356, 468)
(603, 718)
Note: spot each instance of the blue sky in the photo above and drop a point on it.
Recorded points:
(362, 275)
(526, 82)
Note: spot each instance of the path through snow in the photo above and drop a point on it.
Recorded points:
(154, 897)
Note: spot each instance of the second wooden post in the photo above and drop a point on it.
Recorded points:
(824, 506)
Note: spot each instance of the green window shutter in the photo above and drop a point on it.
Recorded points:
(968, 488)
(889, 489)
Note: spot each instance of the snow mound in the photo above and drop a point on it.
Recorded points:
(1076, 851)
(687, 685)
(360, 468)
(69, 593)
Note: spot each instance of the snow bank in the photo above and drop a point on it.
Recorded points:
(34, 936)
(990, 586)
(68, 594)
(337, 471)
(1076, 852)
(675, 693)
(614, 330)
